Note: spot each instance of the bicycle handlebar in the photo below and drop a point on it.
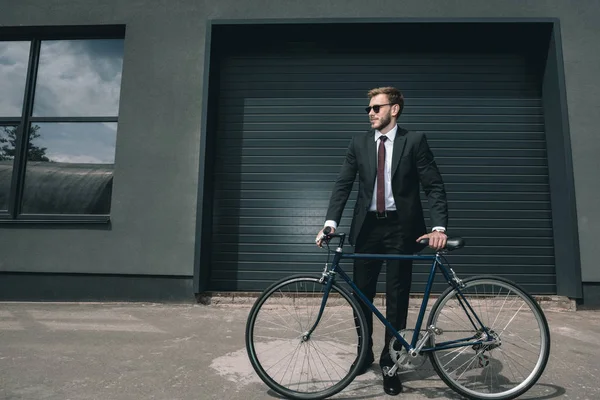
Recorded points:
(327, 236)
(452, 243)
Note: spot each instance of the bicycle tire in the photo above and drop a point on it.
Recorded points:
(538, 326)
(272, 300)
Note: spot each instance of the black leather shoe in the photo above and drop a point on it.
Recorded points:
(366, 364)
(392, 385)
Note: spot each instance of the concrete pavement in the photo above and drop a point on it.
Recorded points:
(126, 351)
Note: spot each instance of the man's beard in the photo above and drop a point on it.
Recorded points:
(384, 121)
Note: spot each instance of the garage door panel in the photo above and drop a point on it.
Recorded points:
(533, 278)
(315, 175)
(274, 213)
(309, 248)
(492, 239)
(514, 62)
(238, 71)
(471, 161)
(358, 116)
(322, 204)
(434, 142)
(235, 220)
(269, 230)
(333, 134)
(409, 75)
(527, 104)
(358, 127)
(313, 168)
(457, 222)
(325, 186)
(327, 150)
(297, 195)
(250, 268)
(276, 108)
(360, 85)
(510, 213)
(496, 196)
(284, 124)
(314, 257)
(311, 231)
(266, 202)
(360, 93)
(500, 169)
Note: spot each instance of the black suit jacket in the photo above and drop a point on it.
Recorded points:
(412, 163)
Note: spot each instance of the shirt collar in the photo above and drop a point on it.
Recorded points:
(391, 135)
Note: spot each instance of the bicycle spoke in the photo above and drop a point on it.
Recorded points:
(509, 365)
(284, 358)
(286, 309)
(334, 344)
(453, 351)
(282, 326)
(510, 369)
(455, 357)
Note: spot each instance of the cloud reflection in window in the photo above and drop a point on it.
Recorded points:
(14, 57)
(87, 143)
(79, 78)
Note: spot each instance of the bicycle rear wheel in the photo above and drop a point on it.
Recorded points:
(504, 368)
(291, 364)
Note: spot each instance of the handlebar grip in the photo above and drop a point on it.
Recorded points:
(327, 230)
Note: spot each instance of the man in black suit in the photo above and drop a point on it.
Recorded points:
(391, 162)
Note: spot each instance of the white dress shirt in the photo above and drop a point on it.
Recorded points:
(390, 205)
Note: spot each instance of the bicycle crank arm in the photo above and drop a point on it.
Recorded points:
(390, 371)
(415, 352)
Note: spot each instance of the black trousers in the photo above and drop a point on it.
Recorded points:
(384, 236)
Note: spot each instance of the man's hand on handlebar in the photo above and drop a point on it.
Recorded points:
(437, 240)
(322, 234)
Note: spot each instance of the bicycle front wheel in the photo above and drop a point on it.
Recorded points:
(514, 358)
(289, 362)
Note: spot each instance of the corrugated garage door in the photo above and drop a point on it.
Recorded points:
(284, 122)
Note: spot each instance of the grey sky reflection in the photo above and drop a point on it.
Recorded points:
(14, 57)
(92, 143)
(79, 78)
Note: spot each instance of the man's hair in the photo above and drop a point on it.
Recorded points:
(394, 95)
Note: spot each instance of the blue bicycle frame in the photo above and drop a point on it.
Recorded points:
(436, 263)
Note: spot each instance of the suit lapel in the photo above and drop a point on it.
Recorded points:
(372, 154)
(399, 144)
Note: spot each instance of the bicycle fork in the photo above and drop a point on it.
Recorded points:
(327, 278)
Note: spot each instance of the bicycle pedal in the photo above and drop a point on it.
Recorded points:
(390, 371)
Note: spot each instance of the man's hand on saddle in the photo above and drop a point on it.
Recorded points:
(321, 235)
(437, 240)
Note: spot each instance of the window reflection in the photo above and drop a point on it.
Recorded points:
(79, 78)
(8, 136)
(69, 168)
(14, 57)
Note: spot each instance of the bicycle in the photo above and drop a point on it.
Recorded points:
(469, 349)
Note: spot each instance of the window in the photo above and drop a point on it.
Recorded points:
(59, 101)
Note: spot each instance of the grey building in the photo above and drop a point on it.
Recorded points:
(155, 150)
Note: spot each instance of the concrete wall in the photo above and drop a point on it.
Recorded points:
(156, 168)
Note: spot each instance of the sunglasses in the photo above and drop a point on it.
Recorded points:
(376, 108)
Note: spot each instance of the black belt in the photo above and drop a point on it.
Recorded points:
(383, 215)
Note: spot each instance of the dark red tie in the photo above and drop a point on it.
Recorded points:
(381, 175)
